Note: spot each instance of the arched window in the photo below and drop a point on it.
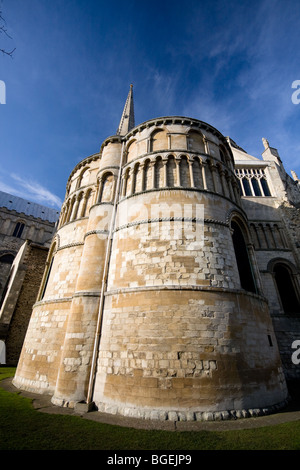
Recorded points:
(8, 258)
(286, 288)
(18, 230)
(242, 259)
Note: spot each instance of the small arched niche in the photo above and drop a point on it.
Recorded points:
(131, 151)
(159, 140)
(195, 142)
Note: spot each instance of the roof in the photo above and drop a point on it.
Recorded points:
(27, 207)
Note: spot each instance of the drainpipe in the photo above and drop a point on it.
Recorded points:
(103, 288)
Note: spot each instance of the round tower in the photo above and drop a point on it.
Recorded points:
(151, 304)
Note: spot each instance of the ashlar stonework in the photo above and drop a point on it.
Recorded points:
(161, 295)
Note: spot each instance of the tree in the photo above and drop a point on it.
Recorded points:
(3, 30)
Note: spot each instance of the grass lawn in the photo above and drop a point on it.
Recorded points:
(24, 428)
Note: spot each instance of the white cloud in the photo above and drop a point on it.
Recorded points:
(29, 190)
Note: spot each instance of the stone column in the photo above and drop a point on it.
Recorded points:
(165, 180)
(190, 162)
(203, 175)
(177, 162)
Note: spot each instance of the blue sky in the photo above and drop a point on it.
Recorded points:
(231, 64)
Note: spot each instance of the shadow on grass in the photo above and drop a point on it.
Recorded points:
(24, 428)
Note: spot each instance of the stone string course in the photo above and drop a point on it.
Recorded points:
(179, 335)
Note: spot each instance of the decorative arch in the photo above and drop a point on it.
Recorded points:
(225, 157)
(131, 151)
(136, 178)
(198, 171)
(71, 207)
(171, 171)
(83, 178)
(159, 173)
(7, 257)
(106, 188)
(87, 203)
(284, 274)
(79, 203)
(244, 258)
(185, 179)
(147, 175)
(159, 140)
(195, 141)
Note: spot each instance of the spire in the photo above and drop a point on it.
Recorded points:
(127, 120)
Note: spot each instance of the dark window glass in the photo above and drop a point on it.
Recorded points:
(265, 187)
(256, 187)
(18, 230)
(247, 188)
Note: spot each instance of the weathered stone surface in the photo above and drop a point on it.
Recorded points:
(172, 332)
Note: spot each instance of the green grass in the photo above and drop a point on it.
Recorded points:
(24, 428)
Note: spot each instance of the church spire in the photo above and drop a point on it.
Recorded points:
(127, 120)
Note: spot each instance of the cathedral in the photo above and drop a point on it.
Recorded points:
(171, 288)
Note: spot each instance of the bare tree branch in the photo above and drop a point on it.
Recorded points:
(7, 52)
(4, 30)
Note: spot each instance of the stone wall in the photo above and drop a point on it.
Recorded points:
(153, 301)
(22, 293)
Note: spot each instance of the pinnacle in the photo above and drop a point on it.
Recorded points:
(127, 121)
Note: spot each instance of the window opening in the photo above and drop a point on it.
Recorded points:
(286, 289)
(265, 187)
(242, 258)
(256, 187)
(8, 259)
(247, 188)
(18, 230)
